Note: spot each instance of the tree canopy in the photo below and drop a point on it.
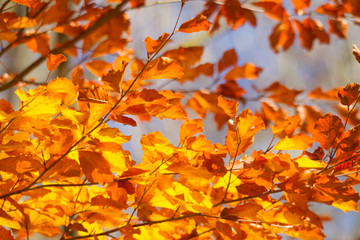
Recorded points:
(64, 171)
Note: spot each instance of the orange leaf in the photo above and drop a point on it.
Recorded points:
(248, 71)
(273, 10)
(153, 45)
(230, 89)
(338, 27)
(301, 4)
(115, 78)
(356, 52)
(286, 127)
(63, 88)
(197, 24)
(328, 95)
(5, 106)
(244, 211)
(5, 234)
(230, 107)
(228, 59)
(40, 44)
(98, 67)
(163, 68)
(95, 167)
(123, 119)
(28, 3)
(95, 95)
(327, 130)
(190, 128)
(282, 36)
(349, 94)
(282, 94)
(53, 61)
(236, 15)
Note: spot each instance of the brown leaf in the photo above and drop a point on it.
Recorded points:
(338, 27)
(356, 52)
(349, 94)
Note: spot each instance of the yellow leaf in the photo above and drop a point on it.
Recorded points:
(306, 162)
(298, 142)
(64, 89)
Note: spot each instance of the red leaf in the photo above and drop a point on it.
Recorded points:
(197, 24)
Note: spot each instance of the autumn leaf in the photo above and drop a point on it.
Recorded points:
(356, 52)
(5, 234)
(163, 68)
(273, 10)
(282, 94)
(190, 128)
(115, 78)
(197, 24)
(349, 94)
(153, 45)
(296, 142)
(53, 61)
(28, 3)
(95, 95)
(236, 15)
(327, 130)
(98, 67)
(95, 167)
(228, 59)
(229, 106)
(338, 27)
(282, 36)
(248, 71)
(301, 4)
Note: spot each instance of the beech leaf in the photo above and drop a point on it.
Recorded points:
(197, 24)
(53, 61)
